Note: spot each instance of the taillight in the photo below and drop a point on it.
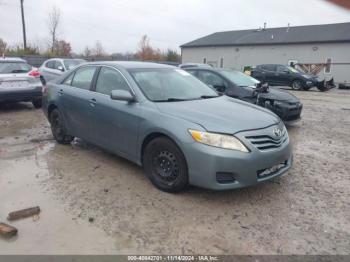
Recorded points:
(34, 73)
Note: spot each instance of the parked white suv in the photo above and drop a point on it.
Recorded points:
(19, 82)
(55, 67)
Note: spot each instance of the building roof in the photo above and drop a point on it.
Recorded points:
(327, 33)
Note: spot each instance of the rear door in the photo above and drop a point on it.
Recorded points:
(115, 123)
(76, 101)
(269, 74)
(283, 75)
(50, 70)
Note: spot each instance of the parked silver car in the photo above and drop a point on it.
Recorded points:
(165, 119)
(55, 67)
(19, 82)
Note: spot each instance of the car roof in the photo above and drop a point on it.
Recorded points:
(12, 59)
(133, 65)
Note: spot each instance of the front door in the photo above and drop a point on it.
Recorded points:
(115, 123)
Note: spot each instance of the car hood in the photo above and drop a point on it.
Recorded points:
(279, 95)
(221, 115)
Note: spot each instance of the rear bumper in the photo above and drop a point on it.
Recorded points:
(20, 95)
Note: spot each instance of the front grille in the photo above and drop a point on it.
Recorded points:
(266, 142)
(272, 170)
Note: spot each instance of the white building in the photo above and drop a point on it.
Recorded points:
(323, 49)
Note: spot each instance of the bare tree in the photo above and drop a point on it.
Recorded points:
(145, 51)
(87, 52)
(3, 46)
(98, 50)
(53, 23)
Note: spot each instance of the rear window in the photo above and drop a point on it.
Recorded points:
(14, 67)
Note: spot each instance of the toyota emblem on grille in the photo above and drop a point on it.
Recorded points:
(277, 132)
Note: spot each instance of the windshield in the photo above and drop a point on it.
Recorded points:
(14, 67)
(161, 85)
(71, 63)
(239, 78)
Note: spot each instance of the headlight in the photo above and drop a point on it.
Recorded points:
(218, 140)
(307, 76)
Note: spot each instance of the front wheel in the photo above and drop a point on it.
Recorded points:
(58, 129)
(297, 85)
(165, 165)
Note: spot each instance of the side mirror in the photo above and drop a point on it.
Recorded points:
(122, 95)
(60, 68)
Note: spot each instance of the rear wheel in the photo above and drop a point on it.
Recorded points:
(165, 165)
(297, 85)
(58, 129)
(37, 103)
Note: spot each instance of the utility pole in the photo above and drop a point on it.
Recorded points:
(24, 27)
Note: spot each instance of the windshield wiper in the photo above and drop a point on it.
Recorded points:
(171, 99)
(206, 97)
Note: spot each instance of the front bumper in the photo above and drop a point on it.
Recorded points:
(207, 164)
(288, 112)
(21, 95)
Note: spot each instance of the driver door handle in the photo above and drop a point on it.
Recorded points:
(93, 102)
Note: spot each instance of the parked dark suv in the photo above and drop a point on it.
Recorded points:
(285, 76)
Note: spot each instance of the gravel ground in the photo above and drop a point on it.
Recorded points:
(96, 203)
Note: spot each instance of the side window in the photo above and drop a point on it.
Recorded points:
(281, 69)
(68, 80)
(50, 64)
(109, 79)
(271, 68)
(192, 72)
(83, 77)
(58, 64)
(213, 80)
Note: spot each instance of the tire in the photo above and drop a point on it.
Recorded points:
(58, 129)
(37, 103)
(165, 165)
(297, 85)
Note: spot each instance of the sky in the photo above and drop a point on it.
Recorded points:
(120, 24)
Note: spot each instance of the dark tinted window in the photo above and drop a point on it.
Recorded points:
(281, 68)
(14, 67)
(83, 77)
(109, 79)
(269, 67)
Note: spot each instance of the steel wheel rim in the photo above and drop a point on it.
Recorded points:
(296, 85)
(165, 166)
